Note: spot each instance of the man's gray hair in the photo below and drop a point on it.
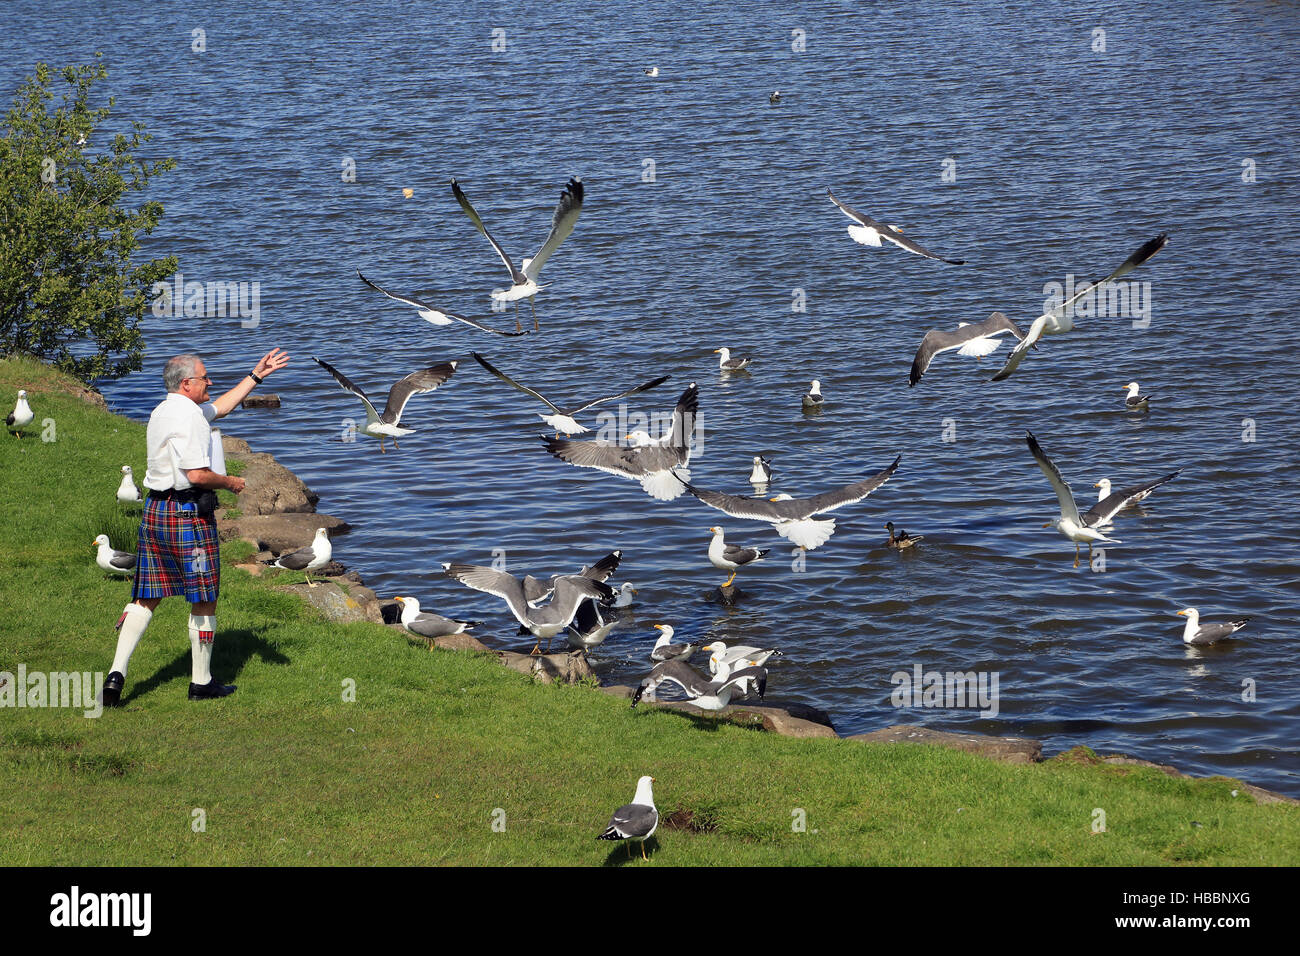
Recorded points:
(178, 369)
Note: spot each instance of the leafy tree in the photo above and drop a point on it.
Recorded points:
(69, 292)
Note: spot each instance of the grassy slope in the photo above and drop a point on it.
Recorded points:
(287, 772)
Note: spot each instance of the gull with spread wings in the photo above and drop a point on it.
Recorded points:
(524, 281)
(436, 316)
(388, 425)
(869, 232)
(659, 465)
(562, 420)
(794, 518)
(1071, 523)
(1059, 319)
(975, 340)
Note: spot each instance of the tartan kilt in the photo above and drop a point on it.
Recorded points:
(178, 553)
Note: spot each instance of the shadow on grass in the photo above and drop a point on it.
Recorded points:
(233, 650)
(619, 856)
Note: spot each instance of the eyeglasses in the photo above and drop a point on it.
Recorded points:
(198, 378)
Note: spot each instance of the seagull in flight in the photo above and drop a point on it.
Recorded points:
(1056, 322)
(388, 425)
(436, 316)
(869, 232)
(975, 340)
(562, 420)
(524, 282)
(794, 518)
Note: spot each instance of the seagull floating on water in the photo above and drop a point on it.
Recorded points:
(975, 340)
(388, 425)
(794, 518)
(435, 316)
(1056, 322)
(813, 399)
(731, 557)
(21, 416)
(524, 283)
(112, 560)
(315, 555)
(1203, 635)
(658, 465)
(1070, 523)
(1133, 401)
(562, 420)
(636, 820)
(1111, 503)
(624, 595)
(774, 96)
(428, 624)
(728, 364)
(127, 492)
(653, 71)
(869, 232)
(762, 473)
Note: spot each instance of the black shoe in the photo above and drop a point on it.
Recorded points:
(112, 693)
(210, 690)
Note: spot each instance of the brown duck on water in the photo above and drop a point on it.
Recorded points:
(900, 540)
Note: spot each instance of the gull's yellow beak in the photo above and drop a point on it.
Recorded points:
(1048, 525)
(1182, 613)
(657, 627)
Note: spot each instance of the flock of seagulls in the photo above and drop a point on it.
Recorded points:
(581, 605)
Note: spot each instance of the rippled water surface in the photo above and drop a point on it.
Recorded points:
(1066, 160)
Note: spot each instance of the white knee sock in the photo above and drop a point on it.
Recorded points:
(203, 628)
(131, 625)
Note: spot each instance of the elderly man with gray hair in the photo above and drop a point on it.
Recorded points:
(178, 553)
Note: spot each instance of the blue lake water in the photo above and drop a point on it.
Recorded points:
(1066, 158)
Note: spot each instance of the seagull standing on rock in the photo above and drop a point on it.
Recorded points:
(316, 555)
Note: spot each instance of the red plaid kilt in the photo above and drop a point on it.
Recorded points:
(178, 553)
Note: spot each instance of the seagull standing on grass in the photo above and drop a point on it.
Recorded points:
(112, 560)
(428, 624)
(1133, 401)
(388, 425)
(524, 283)
(127, 492)
(869, 232)
(1056, 321)
(308, 559)
(21, 416)
(637, 820)
(1070, 523)
(1203, 635)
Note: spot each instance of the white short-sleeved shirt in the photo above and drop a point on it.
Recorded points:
(179, 439)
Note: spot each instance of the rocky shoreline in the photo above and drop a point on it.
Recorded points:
(277, 512)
